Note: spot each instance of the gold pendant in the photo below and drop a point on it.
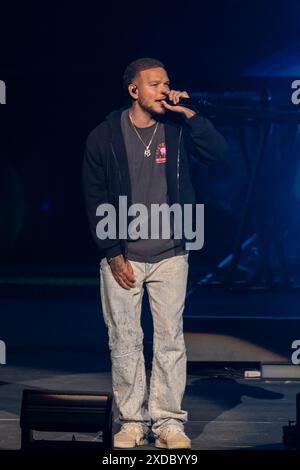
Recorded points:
(147, 153)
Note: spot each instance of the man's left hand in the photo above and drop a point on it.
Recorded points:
(175, 96)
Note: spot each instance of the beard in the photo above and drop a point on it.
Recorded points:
(154, 111)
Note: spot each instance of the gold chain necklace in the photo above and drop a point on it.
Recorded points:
(147, 151)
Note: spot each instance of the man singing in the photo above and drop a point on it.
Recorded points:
(142, 152)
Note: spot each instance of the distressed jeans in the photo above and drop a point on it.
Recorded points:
(165, 282)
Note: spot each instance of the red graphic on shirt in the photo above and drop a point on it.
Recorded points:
(161, 153)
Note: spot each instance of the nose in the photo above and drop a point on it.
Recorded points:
(165, 90)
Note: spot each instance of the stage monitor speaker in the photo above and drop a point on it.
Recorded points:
(60, 411)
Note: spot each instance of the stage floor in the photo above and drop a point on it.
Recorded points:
(225, 410)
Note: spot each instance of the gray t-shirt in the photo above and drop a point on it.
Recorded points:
(149, 186)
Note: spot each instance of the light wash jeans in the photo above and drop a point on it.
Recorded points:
(166, 285)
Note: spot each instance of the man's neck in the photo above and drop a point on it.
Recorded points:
(140, 117)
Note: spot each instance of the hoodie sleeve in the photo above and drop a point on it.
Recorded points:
(95, 193)
(203, 140)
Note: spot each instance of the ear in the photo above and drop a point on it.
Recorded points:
(133, 91)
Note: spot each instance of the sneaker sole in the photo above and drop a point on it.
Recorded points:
(130, 445)
(163, 445)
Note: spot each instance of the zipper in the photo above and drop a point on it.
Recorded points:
(117, 163)
(178, 163)
(119, 173)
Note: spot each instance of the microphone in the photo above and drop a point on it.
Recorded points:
(191, 103)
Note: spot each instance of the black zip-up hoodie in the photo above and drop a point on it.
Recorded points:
(106, 172)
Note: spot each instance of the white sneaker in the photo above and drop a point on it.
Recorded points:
(130, 435)
(172, 437)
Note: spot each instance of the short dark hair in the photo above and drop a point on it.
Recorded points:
(137, 66)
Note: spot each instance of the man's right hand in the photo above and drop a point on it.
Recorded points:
(122, 272)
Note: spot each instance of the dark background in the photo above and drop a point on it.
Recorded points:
(63, 66)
